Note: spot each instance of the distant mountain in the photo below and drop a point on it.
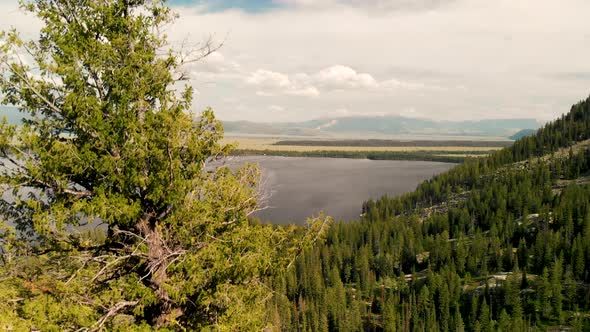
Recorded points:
(275, 129)
(369, 126)
(523, 133)
(384, 126)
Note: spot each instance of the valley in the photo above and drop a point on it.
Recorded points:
(499, 243)
(294, 165)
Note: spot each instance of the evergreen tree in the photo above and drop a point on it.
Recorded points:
(389, 317)
(110, 141)
(556, 287)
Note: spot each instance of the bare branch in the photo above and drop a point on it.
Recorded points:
(119, 259)
(113, 311)
(25, 79)
(192, 54)
(56, 188)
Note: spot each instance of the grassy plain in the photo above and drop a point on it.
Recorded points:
(431, 151)
(268, 144)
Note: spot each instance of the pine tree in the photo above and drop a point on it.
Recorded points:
(556, 287)
(484, 317)
(459, 325)
(389, 317)
(110, 141)
(544, 292)
(504, 322)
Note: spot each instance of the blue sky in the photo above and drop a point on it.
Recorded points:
(219, 5)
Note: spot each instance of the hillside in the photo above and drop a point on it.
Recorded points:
(500, 243)
(380, 126)
(522, 133)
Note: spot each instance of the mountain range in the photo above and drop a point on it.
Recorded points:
(383, 126)
(366, 127)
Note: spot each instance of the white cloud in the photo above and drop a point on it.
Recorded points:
(265, 94)
(397, 84)
(273, 83)
(410, 113)
(216, 63)
(11, 16)
(344, 112)
(332, 78)
(269, 79)
(342, 77)
(309, 91)
(463, 59)
(459, 59)
(276, 108)
(373, 5)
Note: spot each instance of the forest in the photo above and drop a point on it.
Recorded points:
(440, 156)
(500, 243)
(396, 143)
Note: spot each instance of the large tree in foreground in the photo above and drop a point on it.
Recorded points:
(109, 144)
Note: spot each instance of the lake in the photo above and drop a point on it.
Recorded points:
(302, 187)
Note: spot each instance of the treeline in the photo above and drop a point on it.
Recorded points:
(395, 143)
(559, 134)
(496, 244)
(440, 156)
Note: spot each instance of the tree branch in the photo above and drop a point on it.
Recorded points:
(113, 311)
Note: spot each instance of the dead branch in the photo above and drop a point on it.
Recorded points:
(195, 53)
(117, 260)
(56, 188)
(113, 311)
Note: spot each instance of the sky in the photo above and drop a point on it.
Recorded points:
(294, 60)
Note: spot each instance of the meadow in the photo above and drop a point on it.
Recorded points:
(397, 150)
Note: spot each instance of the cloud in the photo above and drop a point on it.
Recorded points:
(344, 112)
(397, 84)
(216, 63)
(569, 76)
(272, 83)
(342, 77)
(459, 59)
(372, 5)
(276, 108)
(269, 79)
(329, 79)
(12, 16)
(339, 77)
(410, 113)
(309, 91)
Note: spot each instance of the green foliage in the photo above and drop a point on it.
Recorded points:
(440, 156)
(496, 244)
(111, 145)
